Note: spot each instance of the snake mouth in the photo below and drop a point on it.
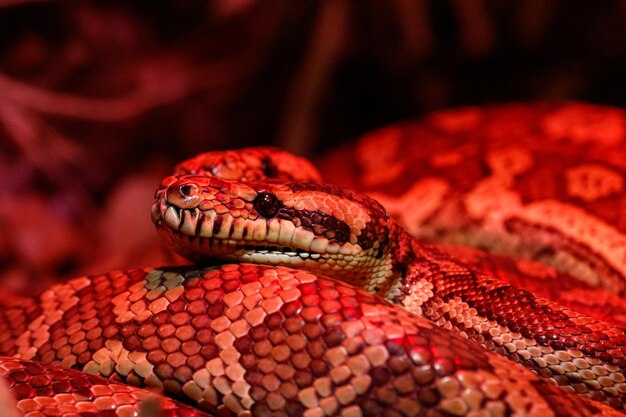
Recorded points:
(198, 248)
(204, 234)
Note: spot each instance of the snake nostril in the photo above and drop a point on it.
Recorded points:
(267, 204)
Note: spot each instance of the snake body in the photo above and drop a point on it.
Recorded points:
(246, 339)
(46, 390)
(543, 181)
(326, 229)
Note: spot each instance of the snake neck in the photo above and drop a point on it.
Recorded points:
(386, 273)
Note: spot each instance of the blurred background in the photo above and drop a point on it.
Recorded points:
(98, 99)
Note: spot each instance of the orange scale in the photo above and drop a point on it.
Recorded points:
(296, 342)
(329, 293)
(233, 298)
(213, 296)
(110, 331)
(252, 301)
(262, 349)
(338, 213)
(65, 410)
(281, 353)
(344, 290)
(248, 269)
(80, 347)
(196, 362)
(146, 329)
(102, 390)
(180, 318)
(123, 398)
(151, 343)
(48, 357)
(176, 359)
(205, 337)
(285, 371)
(173, 295)
(67, 399)
(86, 304)
(183, 374)
(93, 334)
(201, 322)
(77, 337)
(270, 382)
(231, 274)
(45, 402)
(137, 295)
(165, 331)
(171, 344)
(121, 283)
(249, 277)
(139, 307)
(64, 351)
(101, 288)
(27, 405)
(197, 307)
(311, 314)
(86, 406)
(84, 358)
(172, 386)
(234, 313)
(330, 306)
(102, 303)
(12, 366)
(184, 333)
(194, 293)
(164, 371)
(104, 403)
(89, 323)
(294, 322)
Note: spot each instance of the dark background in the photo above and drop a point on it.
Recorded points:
(98, 99)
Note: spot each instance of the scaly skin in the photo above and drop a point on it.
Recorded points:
(247, 339)
(131, 325)
(542, 181)
(46, 390)
(545, 281)
(330, 230)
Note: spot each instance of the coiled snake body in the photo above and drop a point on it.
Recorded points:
(270, 340)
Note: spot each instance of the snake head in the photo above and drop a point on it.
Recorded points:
(250, 164)
(308, 225)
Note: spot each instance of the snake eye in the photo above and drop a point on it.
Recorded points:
(187, 190)
(186, 195)
(267, 204)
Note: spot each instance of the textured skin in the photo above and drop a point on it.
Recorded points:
(331, 230)
(273, 341)
(46, 390)
(542, 181)
(546, 282)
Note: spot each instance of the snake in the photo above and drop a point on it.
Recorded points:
(395, 329)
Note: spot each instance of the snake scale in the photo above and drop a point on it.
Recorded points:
(270, 334)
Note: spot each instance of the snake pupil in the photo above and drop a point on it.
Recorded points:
(267, 204)
(185, 190)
